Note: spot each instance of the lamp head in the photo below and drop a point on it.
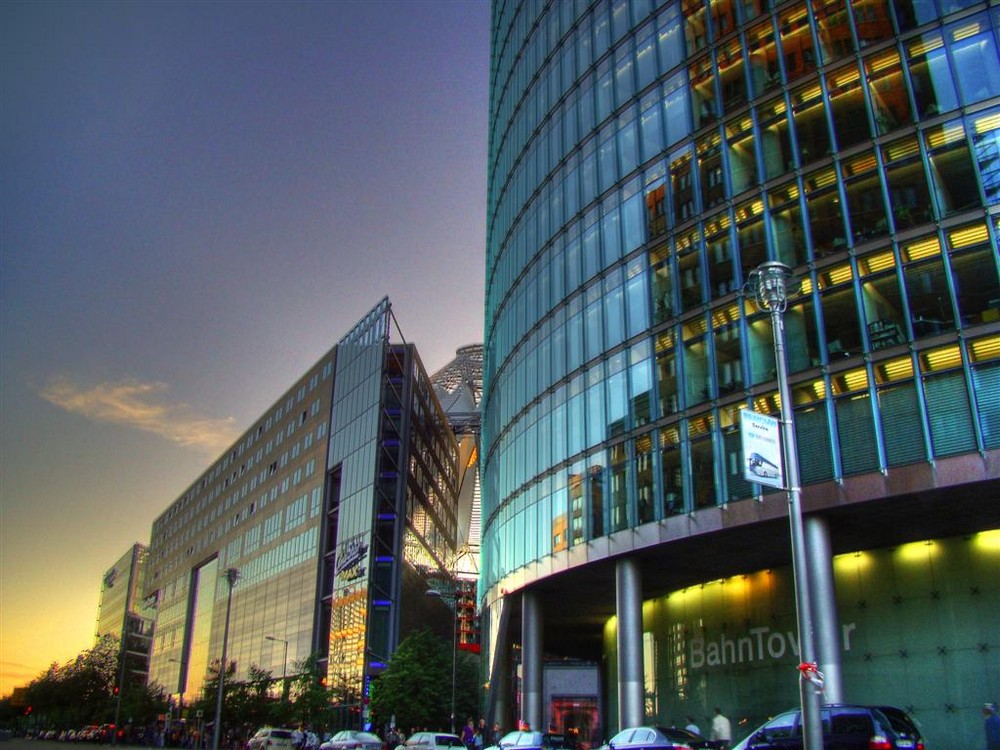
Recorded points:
(770, 284)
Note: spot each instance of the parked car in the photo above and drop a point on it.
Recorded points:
(350, 739)
(431, 741)
(659, 738)
(271, 738)
(845, 727)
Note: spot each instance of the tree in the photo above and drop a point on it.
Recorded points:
(416, 685)
(250, 701)
(312, 697)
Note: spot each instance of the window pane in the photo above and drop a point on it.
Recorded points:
(703, 473)
(671, 468)
(929, 297)
(974, 49)
(930, 75)
(977, 287)
(697, 381)
(953, 176)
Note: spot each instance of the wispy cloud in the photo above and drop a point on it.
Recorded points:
(142, 406)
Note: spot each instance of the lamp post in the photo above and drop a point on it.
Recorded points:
(454, 644)
(284, 662)
(232, 576)
(769, 284)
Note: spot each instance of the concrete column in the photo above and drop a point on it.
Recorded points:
(500, 688)
(631, 690)
(531, 660)
(819, 563)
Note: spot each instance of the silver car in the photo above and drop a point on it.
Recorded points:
(350, 739)
(271, 738)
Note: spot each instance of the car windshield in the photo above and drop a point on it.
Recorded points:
(446, 740)
(281, 734)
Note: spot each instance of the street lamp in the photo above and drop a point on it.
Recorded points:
(454, 643)
(232, 576)
(769, 284)
(284, 663)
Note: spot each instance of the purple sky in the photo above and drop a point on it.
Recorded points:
(196, 201)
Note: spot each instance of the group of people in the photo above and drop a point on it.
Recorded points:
(304, 738)
(721, 730)
(477, 736)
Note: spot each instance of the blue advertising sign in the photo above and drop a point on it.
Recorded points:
(761, 437)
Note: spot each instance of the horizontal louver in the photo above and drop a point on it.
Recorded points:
(987, 383)
(812, 435)
(950, 417)
(901, 425)
(856, 430)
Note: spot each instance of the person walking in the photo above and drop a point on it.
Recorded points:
(691, 726)
(991, 724)
(469, 734)
(722, 730)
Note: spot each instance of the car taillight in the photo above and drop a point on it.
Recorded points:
(920, 745)
(879, 742)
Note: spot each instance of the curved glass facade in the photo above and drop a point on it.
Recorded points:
(644, 157)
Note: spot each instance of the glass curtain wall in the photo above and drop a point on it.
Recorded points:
(644, 157)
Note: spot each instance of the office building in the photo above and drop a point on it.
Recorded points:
(123, 616)
(645, 157)
(337, 506)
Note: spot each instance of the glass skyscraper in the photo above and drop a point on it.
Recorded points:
(340, 507)
(644, 158)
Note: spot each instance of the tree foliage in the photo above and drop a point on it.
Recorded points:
(416, 686)
(83, 691)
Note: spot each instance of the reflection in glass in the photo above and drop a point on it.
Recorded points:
(796, 42)
(987, 144)
(697, 380)
(672, 472)
(662, 287)
(865, 201)
(930, 76)
(775, 144)
(810, 123)
(908, 193)
(891, 108)
(977, 66)
(977, 286)
(850, 116)
(929, 298)
(703, 472)
(666, 374)
(786, 224)
(762, 53)
(728, 359)
(834, 29)
(953, 175)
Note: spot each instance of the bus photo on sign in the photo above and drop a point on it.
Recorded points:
(761, 437)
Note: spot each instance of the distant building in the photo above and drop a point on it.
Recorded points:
(122, 613)
(339, 507)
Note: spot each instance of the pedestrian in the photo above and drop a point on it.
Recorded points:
(991, 723)
(691, 726)
(495, 734)
(469, 734)
(722, 730)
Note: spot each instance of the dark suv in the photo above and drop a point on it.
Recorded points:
(845, 727)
